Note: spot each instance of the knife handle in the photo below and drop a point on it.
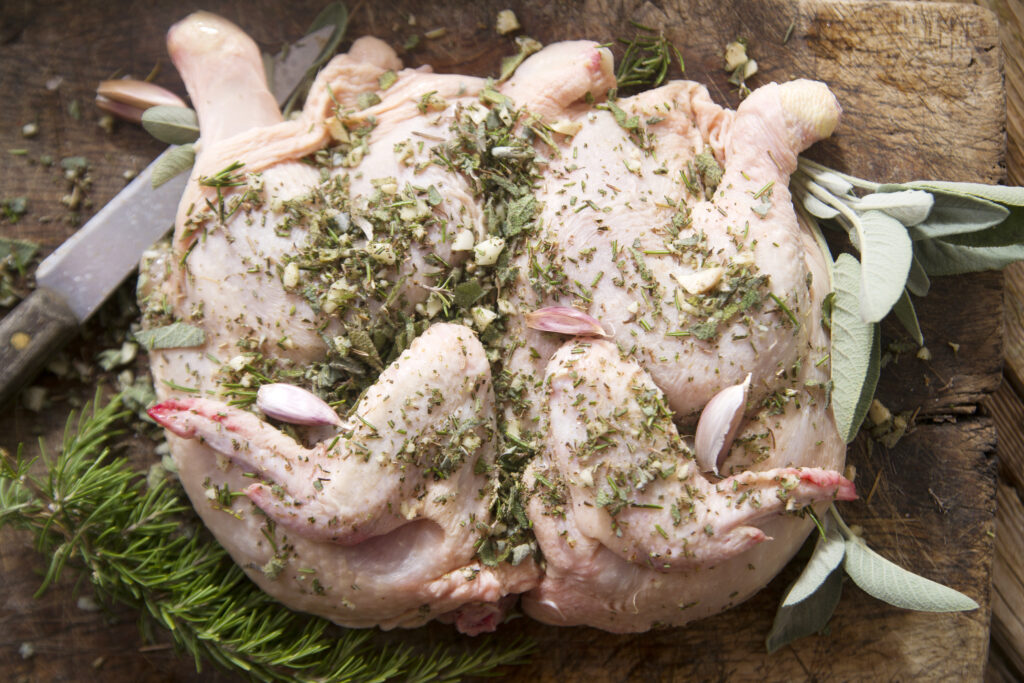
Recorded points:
(36, 328)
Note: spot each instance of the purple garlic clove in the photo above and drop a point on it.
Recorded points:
(294, 405)
(718, 424)
(565, 320)
(128, 98)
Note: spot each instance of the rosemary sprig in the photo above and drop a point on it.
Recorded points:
(139, 542)
(647, 60)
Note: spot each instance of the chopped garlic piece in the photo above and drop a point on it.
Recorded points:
(507, 22)
(506, 307)
(878, 413)
(336, 129)
(382, 252)
(744, 258)
(735, 55)
(482, 317)
(566, 127)
(290, 279)
(587, 477)
(409, 510)
(683, 472)
(434, 305)
(487, 252)
(463, 241)
(700, 281)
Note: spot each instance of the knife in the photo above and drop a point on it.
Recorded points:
(77, 278)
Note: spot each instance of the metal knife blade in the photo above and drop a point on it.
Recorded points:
(79, 275)
(93, 262)
(287, 68)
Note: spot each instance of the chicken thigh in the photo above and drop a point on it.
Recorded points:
(633, 535)
(377, 525)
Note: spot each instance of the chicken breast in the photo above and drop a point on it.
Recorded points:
(381, 250)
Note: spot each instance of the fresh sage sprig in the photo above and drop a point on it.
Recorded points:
(904, 233)
(178, 127)
(134, 538)
(810, 601)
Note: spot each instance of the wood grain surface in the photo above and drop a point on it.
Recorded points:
(1006, 656)
(921, 87)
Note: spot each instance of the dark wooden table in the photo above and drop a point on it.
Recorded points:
(916, 80)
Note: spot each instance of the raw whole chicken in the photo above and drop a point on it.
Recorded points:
(518, 300)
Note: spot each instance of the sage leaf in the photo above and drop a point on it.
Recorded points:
(1001, 194)
(173, 336)
(886, 252)
(855, 350)
(905, 313)
(467, 293)
(826, 558)
(917, 281)
(909, 207)
(890, 583)
(1005, 234)
(18, 253)
(175, 161)
(173, 125)
(807, 617)
(519, 215)
(818, 208)
(829, 180)
(942, 258)
(955, 214)
(363, 346)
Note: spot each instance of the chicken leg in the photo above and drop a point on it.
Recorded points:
(408, 471)
(617, 486)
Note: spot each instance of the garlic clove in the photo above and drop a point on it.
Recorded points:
(718, 424)
(121, 110)
(565, 320)
(700, 281)
(128, 98)
(294, 405)
(141, 94)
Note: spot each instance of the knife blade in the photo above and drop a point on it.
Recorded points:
(78, 276)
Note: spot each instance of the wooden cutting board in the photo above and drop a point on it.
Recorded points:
(921, 88)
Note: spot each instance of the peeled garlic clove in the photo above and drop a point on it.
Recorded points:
(565, 320)
(294, 405)
(128, 98)
(718, 424)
